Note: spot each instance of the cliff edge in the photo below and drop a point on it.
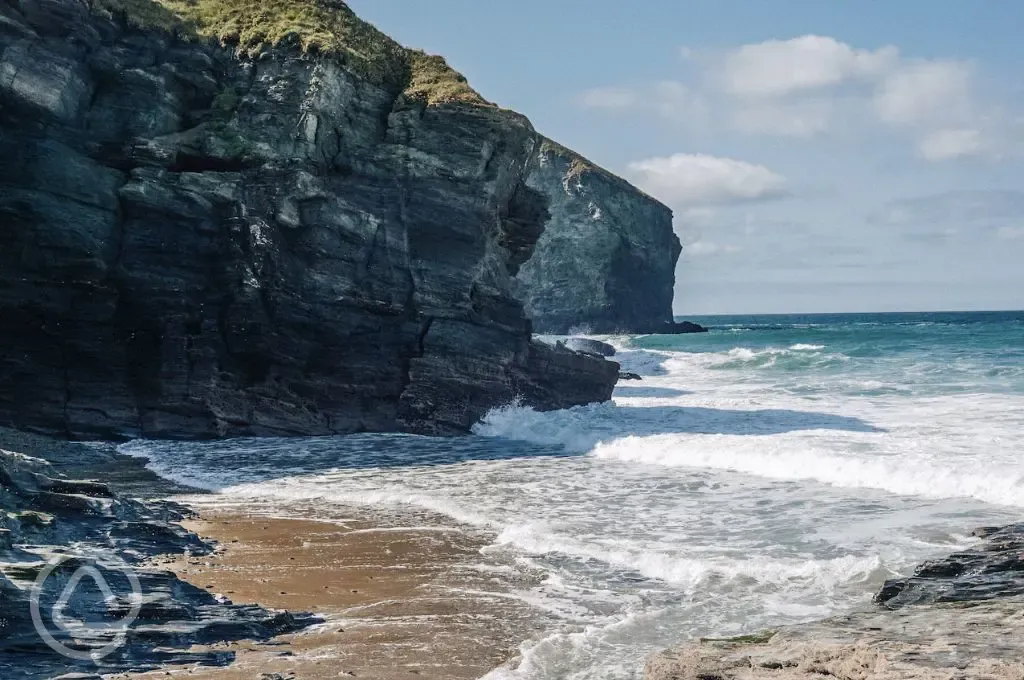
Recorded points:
(217, 221)
(606, 260)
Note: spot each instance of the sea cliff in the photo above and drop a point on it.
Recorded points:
(223, 222)
(606, 260)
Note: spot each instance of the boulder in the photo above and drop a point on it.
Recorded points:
(995, 568)
(595, 347)
(672, 328)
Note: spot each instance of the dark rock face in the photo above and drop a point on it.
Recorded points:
(995, 569)
(195, 244)
(595, 347)
(606, 260)
(82, 526)
(672, 328)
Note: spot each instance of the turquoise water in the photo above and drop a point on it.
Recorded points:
(774, 470)
(920, 353)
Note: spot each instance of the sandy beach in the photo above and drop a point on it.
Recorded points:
(396, 601)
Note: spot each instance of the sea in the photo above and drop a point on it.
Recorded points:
(777, 469)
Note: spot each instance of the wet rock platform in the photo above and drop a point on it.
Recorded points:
(959, 617)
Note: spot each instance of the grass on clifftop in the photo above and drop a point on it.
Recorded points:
(577, 163)
(433, 79)
(580, 166)
(325, 26)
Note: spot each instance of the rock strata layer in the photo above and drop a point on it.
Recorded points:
(959, 617)
(199, 241)
(87, 528)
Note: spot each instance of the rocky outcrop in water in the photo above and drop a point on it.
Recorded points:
(203, 240)
(959, 617)
(606, 260)
(994, 569)
(88, 530)
(673, 328)
(588, 346)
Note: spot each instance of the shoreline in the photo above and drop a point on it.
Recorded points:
(239, 593)
(397, 601)
(958, 617)
(396, 594)
(78, 524)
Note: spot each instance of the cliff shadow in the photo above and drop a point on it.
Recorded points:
(653, 420)
(217, 464)
(643, 391)
(214, 465)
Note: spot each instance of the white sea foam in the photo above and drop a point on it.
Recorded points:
(735, 487)
(689, 573)
(798, 448)
(553, 656)
(905, 475)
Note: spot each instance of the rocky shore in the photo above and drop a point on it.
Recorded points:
(956, 618)
(79, 547)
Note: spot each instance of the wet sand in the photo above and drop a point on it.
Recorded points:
(398, 601)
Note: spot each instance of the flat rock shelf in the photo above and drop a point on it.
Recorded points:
(958, 617)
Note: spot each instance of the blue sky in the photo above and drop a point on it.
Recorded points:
(819, 156)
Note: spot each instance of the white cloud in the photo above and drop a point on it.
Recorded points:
(813, 85)
(968, 214)
(677, 102)
(925, 91)
(802, 119)
(709, 248)
(783, 67)
(698, 179)
(791, 88)
(668, 99)
(1010, 233)
(696, 218)
(609, 98)
(944, 145)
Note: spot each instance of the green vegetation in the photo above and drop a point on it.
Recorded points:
(225, 103)
(319, 26)
(761, 638)
(433, 80)
(224, 141)
(578, 165)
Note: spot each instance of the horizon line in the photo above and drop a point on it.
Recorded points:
(916, 311)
